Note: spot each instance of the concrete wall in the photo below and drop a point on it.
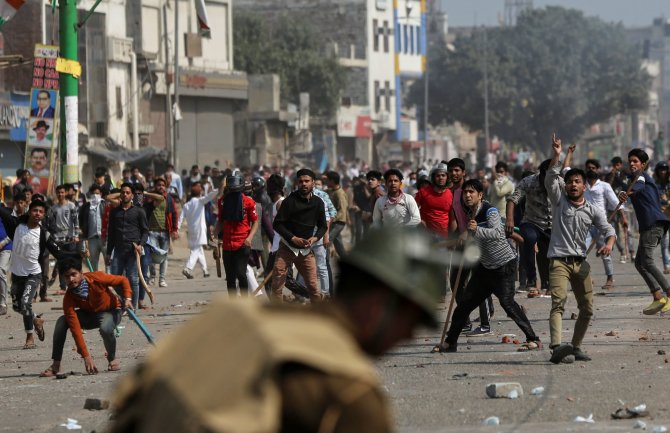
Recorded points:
(21, 33)
(217, 52)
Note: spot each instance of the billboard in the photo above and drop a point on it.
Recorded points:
(43, 123)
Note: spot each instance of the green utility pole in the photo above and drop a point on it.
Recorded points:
(69, 94)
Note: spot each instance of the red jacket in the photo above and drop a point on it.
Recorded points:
(235, 232)
(99, 300)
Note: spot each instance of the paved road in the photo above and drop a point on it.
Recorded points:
(426, 391)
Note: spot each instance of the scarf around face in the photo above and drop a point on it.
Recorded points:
(81, 290)
(233, 210)
(396, 200)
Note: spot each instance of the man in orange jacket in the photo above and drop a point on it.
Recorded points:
(88, 304)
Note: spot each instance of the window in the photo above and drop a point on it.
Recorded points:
(406, 33)
(411, 39)
(418, 39)
(387, 96)
(375, 35)
(377, 97)
(387, 33)
(398, 38)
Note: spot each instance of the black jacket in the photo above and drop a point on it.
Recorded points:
(46, 243)
(298, 216)
(83, 217)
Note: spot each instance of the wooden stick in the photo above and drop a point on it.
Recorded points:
(440, 347)
(265, 281)
(138, 262)
(134, 318)
(625, 238)
(217, 258)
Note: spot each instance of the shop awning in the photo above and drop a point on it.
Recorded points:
(113, 151)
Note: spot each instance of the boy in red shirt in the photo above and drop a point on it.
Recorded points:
(238, 222)
(88, 304)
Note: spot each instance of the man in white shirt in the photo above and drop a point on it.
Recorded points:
(602, 196)
(194, 212)
(29, 242)
(395, 208)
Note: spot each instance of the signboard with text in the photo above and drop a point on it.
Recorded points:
(43, 123)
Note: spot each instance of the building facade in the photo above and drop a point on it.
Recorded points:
(127, 36)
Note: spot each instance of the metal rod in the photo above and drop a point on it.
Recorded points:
(175, 129)
(88, 14)
(168, 96)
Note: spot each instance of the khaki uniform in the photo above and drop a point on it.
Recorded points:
(250, 368)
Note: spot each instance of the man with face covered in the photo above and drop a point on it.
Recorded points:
(572, 216)
(90, 222)
(299, 214)
(236, 227)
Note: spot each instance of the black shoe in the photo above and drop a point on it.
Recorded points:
(467, 327)
(580, 355)
(445, 348)
(570, 359)
(561, 352)
(479, 331)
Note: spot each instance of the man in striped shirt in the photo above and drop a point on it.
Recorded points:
(494, 274)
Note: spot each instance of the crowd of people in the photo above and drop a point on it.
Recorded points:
(533, 232)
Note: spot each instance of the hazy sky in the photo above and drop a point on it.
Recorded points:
(633, 13)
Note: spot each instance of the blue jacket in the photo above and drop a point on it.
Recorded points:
(647, 203)
(3, 235)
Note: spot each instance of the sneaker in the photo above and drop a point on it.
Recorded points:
(623, 259)
(205, 275)
(580, 355)
(151, 281)
(666, 307)
(38, 323)
(656, 306)
(666, 270)
(3, 310)
(185, 272)
(570, 359)
(162, 283)
(560, 352)
(479, 331)
(467, 328)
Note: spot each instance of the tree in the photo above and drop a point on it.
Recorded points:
(294, 51)
(555, 71)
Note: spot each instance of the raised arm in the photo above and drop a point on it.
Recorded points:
(568, 157)
(553, 182)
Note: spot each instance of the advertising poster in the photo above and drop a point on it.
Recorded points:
(43, 124)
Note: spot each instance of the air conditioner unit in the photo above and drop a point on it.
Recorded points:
(119, 49)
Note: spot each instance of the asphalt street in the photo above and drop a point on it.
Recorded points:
(428, 392)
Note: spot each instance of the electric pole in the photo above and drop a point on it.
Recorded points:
(69, 117)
